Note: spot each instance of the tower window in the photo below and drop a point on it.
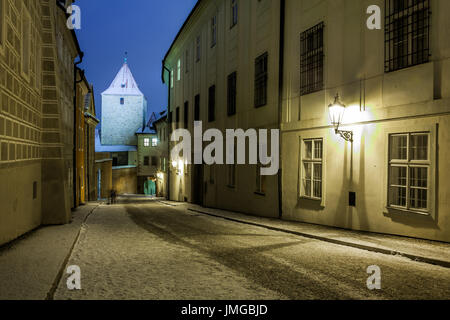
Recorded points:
(122, 101)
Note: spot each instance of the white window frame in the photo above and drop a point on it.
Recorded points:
(154, 142)
(146, 142)
(313, 161)
(430, 164)
(301, 168)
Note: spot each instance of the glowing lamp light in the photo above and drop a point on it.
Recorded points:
(174, 164)
(336, 111)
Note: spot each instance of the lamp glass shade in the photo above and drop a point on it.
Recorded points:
(336, 112)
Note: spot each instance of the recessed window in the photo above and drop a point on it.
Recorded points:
(261, 77)
(179, 70)
(146, 142)
(234, 13)
(231, 105)
(186, 115)
(212, 104)
(409, 171)
(311, 60)
(260, 180)
(146, 161)
(312, 164)
(171, 79)
(407, 33)
(177, 116)
(122, 101)
(197, 108)
(154, 142)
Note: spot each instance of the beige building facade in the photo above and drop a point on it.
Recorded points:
(37, 52)
(224, 51)
(395, 83)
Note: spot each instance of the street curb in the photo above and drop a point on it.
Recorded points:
(441, 263)
(51, 293)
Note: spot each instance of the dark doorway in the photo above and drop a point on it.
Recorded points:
(197, 185)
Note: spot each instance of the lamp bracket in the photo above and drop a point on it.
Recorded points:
(346, 135)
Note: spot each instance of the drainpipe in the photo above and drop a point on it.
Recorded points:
(74, 175)
(168, 131)
(280, 100)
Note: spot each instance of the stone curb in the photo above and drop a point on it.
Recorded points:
(442, 263)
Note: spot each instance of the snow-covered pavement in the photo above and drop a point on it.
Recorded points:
(141, 249)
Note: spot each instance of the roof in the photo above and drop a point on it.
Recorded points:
(178, 35)
(146, 130)
(116, 148)
(124, 83)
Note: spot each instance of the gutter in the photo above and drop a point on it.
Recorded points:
(280, 100)
(169, 126)
(74, 175)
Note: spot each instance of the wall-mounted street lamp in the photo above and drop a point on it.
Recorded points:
(337, 111)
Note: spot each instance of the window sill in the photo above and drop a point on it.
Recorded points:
(262, 194)
(393, 210)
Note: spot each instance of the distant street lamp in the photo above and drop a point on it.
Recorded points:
(337, 111)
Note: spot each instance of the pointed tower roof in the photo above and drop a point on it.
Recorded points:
(124, 83)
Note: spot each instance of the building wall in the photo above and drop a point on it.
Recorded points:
(36, 91)
(415, 99)
(120, 122)
(124, 180)
(103, 171)
(256, 32)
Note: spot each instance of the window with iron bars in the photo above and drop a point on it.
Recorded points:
(407, 33)
(311, 59)
(231, 107)
(261, 76)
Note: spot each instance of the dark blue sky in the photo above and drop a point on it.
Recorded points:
(143, 28)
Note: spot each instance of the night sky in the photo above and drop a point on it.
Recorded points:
(143, 28)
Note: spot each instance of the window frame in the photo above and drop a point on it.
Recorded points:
(146, 142)
(232, 94)
(186, 115)
(179, 70)
(154, 142)
(312, 59)
(26, 16)
(261, 81)
(406, 39)
(212, 103)
(2, 24)
(197, 110)
(213, 31)
(430, 164)
(313, 161)
(198, 48)
(234, 13)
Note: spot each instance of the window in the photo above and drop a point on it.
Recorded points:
(186, 63)
(179, 70)
(26, 32)
(198, 50)
(154, 161)
(197, 108)
(146, 142)
(212, 104)
(154, 142)
(234, 13)
(231, 109)
(177, 115)
(409, 171)
(407, 33)
(311, 60)
(146, 161)
(312, 157)
(212, 174)
(261, 80)
(122, 101)
(171, 79)
(260, 180)
(213, 31)
(186, 115)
